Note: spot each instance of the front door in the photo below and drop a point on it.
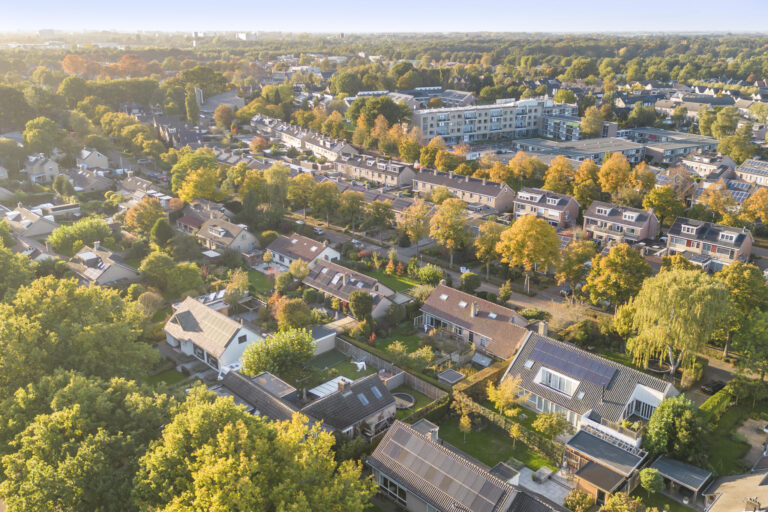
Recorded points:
(600, 498)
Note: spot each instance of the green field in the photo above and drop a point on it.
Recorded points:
(168, 377)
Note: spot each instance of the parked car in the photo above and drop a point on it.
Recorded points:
(357, 243)
(712, 387)
(464, 270)
(319, 231)
(566, 292)
(300, 222)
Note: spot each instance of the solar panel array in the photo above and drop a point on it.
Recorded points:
(430, 466)
(573, 364)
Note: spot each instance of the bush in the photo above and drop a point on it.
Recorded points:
(403, 240)
(715, 406)
(694, 373)
(470, 282)
(267, 237)
(535, 314)
(578, 501)
(312, 296)
(430, 274)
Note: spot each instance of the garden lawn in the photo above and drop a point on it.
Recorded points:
(491, 446)
(169, 377)
(659, 501)
(407, 334)
(260, 282)
(422, 401)
(397, 284)
(341, 363)
(726, 449)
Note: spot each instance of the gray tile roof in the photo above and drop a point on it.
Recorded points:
(685, 474)
(708, 232)
(339, 281)
(606, 403)
(220, 231)
(258, 400)
(604, 453)
(458, 182)
(540, 197)
(616, 214)
(208, 329)
(343, 409)
(297, 247)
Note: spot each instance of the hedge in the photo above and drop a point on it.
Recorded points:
(716, 405)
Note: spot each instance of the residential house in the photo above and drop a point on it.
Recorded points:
(263, 395)
(132, 183)
(328, 148)
(562, 127)
(40, 169)
(754, 171)
(286, 249)
(88, 180)
(337, 281)
(474, 191)
(30, 223)
(737, 190)
(96, 265)
(709, 245)
(383, 172)
(705, 163)
(362, 406)
(221, 235)
(495, 330)
(62, 211)
(420, 473)
(606, 223)
(199, 211)
(90, 158)
(189, 224)
(559, 210)
(212, 337)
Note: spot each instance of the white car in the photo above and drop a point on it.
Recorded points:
(463, 270)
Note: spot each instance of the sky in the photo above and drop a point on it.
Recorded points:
(613, 16)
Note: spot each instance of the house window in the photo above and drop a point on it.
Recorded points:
(393, 489)
(242, 339)
(558, 382)
(213, 361)
(199, 353)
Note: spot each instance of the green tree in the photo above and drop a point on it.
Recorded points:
(564, 96)
(156, 269)
(73, 442)
(530, 243)
(751, 340)
(616, 277)
(676, 429)
(414, 222)
(300, 190)
(586, 186)
(622, 502)
(68, 325)
(63, 187)
(551, 424)
(747, 292)
(293, 314)
(378, 215)
(706, 119)
(283, 353)
(430, 274)
(760, 111)
(223, 116)
(651, 480)
(189, 161)
(488, 237)
(573, 268)
(440, 195)
(592, 123)
(200, 184)
(324, 200)
(184, 277)
(664, 203)
(351, 206)
(726, 121)
(360, 304)
(641, 116)
(190, 105)
(14, 109)
(739, 145)
(448, 225)
(144, 215)
(579, 501)
(74, 90)
(87, 231)
(614, 173)
(41, 135)
(470, 282)
(161, 232)
(15, 271)
(674, 314)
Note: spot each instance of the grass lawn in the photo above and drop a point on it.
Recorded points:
(260, 282)
(725, 448)
(342, 364)
(491, 446)
(169, 377)
(407, 334)
(397, 284)
(659, 501)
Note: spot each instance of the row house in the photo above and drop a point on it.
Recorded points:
(483, 192)
(754, 171)
(709, 245)
(559, 210)
(383, 172)
(606, 222)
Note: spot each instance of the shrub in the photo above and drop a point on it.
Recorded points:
(694, 373)
(535, 314)
(312, 296)
(430, 274)
(470, 282)
(578, 501)
(716, 405)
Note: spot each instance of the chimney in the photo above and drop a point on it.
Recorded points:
(475, 308)
(450, 174)
(344, 279)
(96, 245)
(343, 385)
(543, 327)
(20, 205)
(485, 180)
(466, 178)
(433, 434)
(434, 172)
(443, 282)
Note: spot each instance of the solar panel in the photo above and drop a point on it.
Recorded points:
(574, 364)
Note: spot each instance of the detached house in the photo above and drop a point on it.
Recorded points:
(383, 172)
(286, 249)
(483, 192)
(494, 329)
(95, 265)
(711, 246)
(337, 281)
(30, 223)
(90, 158)
(559, 210)
(40, 169)
(607, 222)
(212, 337)
(221, 235)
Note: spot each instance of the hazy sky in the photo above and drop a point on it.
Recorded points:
(388, 15)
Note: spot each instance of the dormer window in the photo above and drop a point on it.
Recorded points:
(630, 216)
(602, 211)
(688, 230)
(551, 200)
(556, 381)
(727, 237)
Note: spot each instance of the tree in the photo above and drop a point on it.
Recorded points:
(190, 105)
(551, 424)
(200, 184)
(726, 121)
(760, 111)
(718, 199)
(14, 109)
(641, 116)
(283, 353)
(293, 314)
(506, 397)
(324, 200)
(616, 277)
(87, 231)
(664, 203)
(439, 195)
(161, 232)
(144, 215)
(189, 161)
(488, 237)
(679, 115)
(559, 176)
(379, 215)
(592, 123)
(614, 173)
(299, 269)
(73, 441)
(579, 501)
(676, 429)
(739, 145)
(465, 425)
(674, 314)
(275, 465)
(41, 135)
(237, 287)
(300, 191)
(68, 325)
(586, 186)
(747, 292)
(62, 186)
(414, 221)
(156, 269)
(448, 225)
(751, 340)
(470, 282)
(15, 271)
(430, 274)
(6, 234)
(706, 119)
(351, 206)
(360, 304)
(530, 243)
(516, 433)
(223, 115)
(622, 502)
(651, 480)
(755, 207)
(184, 277)
(573, 268)
(564, 96)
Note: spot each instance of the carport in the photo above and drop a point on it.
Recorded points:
(680, 476)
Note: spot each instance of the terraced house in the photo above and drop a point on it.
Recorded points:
(383, 172)
(559, 210)
(754, 171)
(606, 222)
(712, 246)
(473, 191)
